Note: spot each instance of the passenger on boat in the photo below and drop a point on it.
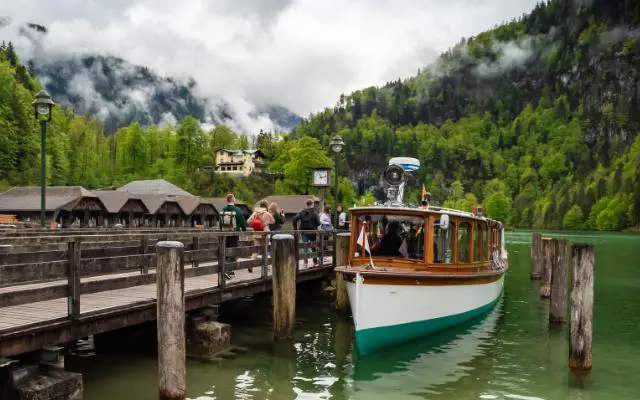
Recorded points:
(390, 243)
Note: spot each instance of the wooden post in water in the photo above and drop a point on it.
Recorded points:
(284, 285)
(549, 246)
(342, 258)
(583, 261)
(559, 276)
(172, 371)
(537, 256)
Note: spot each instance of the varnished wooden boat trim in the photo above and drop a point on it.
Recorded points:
(422, 279)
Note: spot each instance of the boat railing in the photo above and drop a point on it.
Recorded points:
(450, 210)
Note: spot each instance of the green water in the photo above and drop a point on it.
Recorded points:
(509, 354)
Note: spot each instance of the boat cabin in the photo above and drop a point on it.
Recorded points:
(432, 239)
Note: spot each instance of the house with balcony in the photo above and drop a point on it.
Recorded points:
(239, 163)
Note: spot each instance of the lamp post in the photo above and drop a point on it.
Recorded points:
(336, 146)
(42, 106)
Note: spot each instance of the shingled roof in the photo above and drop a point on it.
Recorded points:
(220, 202)
(290, 203)
(27, 198)
(154, 187)
(114, 200)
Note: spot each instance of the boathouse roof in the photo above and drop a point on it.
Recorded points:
(154, 187)
(114, 200)
(27, 198)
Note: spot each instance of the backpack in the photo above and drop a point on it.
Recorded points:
(255, 221)
(228, 220)
(309, 220)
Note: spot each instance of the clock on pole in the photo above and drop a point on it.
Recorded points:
(321, 177)
(321, 180)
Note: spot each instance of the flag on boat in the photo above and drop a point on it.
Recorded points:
(363, 241)
(423, 194)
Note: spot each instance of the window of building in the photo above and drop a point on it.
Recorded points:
(392, 235)
(464, 230)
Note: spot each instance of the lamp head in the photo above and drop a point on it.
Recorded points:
(336, 143)
(42, 105)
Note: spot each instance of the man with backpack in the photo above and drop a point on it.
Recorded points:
(231, 219)
(309, 221)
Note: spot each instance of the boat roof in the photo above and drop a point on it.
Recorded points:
(429, 210)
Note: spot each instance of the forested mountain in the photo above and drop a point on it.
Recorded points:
(80, 153)
(119, 93)
(538, 119)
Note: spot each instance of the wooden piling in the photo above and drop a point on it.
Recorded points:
(172, 371)
(73, 282)
(537, 256)
(549, 250)
(342, 258)
(559, 276)
(284, 285)
(583, 262)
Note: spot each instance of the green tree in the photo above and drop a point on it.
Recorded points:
(574, 218)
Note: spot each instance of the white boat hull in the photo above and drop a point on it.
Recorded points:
(386, 314)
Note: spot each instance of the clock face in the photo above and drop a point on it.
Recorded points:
(320, 178)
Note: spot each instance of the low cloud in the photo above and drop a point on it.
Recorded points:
(301, 54)
(510, 55)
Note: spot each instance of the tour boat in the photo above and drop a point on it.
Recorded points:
(413, 270)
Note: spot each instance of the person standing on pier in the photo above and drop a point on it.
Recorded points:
(260, 221)
(309, 221)
(342, 218)
(232, 219)
(278, 217)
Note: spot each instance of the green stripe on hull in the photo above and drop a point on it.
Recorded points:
(368, 340)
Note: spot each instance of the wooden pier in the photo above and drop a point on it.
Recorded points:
(55, 288)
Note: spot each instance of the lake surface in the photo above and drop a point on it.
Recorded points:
(508, 354)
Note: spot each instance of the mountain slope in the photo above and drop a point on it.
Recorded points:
(548, 105)
(119, 93)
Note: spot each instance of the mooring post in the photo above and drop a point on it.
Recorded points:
(284, 286)
(73, 282)
(559, 275)
(537, 255)
(342, 259)
(171, 321)
(549, 245)
(583, 261)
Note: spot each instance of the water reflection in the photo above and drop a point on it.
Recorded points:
(418, 368)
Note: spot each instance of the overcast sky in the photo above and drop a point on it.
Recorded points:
(301, 54)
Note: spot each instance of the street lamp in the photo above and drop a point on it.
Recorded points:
(336, 146)
(42, 106)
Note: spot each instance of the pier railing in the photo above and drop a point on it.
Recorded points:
(40, 268)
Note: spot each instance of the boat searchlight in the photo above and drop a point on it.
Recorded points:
(394, 177)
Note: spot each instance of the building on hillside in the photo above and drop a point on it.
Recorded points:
(291, 204)
(64, 205)
(238, 163)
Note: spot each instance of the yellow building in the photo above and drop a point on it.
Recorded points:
(240, 163)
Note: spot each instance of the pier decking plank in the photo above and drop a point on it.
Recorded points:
(14, 317)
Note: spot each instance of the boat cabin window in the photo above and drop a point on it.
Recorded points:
(464, 230)
(442, 244)
(485, 243)
(477, 243)
(391, 236)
